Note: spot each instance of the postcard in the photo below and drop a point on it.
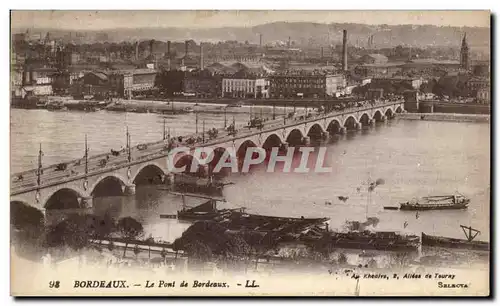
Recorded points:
(250, 153)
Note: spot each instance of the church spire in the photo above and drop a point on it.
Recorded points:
(464, 54)
(464, 42)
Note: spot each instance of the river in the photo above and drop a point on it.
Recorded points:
(414, 158)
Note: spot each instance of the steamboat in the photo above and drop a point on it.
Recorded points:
(437, 203)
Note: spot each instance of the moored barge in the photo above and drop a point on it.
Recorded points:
(454, 243)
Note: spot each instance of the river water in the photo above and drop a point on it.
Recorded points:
(414, 158)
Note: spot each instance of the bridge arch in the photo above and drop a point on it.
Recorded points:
(295, 137)
(64, 198)
(334, 126)
(377, 116)
(149, 174)
(186, 159)
(273, 140)
(350, 122)
(218, 153)
(108, 185)
(399, 109)
(364, 119)
(315, 131)
(389, 113)
(242, 148)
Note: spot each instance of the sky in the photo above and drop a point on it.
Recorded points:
(100, 20)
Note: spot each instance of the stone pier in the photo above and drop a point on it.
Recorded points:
(342, 130)
(86, 202)
(306, 140)
(129, 189)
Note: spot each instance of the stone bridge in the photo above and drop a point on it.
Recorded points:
(150, 167)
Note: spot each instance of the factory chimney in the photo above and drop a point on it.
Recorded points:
(151, 43)
(260, 40)
(321, 52)
(137, 51)
(169, 57)
(202, 62)
(344, 51)
(289, 41)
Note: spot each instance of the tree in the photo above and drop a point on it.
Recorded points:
(129, 229)
(23, 216)
(73, 232)
(361, 90)
(342, 260)
(149, 241)
(428, 87)
(136, 250)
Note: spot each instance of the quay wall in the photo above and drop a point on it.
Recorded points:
(449, 107)
(445, 117)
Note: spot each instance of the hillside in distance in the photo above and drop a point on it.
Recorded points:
(300, 34)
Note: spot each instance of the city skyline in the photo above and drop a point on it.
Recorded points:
(105, 20)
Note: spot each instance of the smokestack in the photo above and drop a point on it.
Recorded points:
(151, 42)
(137, 51)
(344, 51)
(321, 52)
(202, 63)
(186, 48)
(169, 64)
(289, 41)
(260, 40)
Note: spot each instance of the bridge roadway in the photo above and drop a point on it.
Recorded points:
(76, 168)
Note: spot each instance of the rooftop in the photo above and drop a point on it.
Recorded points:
(377, 56)
(433, 61)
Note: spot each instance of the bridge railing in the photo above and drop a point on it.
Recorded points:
(274, 124)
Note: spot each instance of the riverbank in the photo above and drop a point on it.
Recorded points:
(445, 117)
(179, 107)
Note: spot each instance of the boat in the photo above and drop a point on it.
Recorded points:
(261, 223)
(437, 203)
(203, 212)
(58, 105)
(454, 243)
(381, 241)
(41, 104)
(206, 211)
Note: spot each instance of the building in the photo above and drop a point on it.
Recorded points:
(414, 83)
(305, 85)
(464, 54)
(475, 83)
(374, 58)
(483, 95)
(37, 81)
(243, 85)
(429, 67)
(137, 81)
(97, 84)
(202, 84)
(379, 70)
(374, 93)
(16, 81)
